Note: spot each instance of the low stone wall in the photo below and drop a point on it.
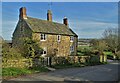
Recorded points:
(44, 61)
(19, 63)
(70, 59)
(24, 63)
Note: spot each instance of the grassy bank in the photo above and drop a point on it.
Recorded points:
(13, 72)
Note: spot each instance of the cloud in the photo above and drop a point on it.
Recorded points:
(8, 28)
(90, 29)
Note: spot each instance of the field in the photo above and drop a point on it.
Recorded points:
(87, 50)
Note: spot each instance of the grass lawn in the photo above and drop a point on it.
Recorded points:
(83, 50)
(84, 47)
(108, 53)
(13, 72)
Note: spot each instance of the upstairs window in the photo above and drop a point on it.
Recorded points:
(71, 38)
(43, 37)
(58, 38)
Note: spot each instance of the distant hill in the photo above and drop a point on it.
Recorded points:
(84, 41)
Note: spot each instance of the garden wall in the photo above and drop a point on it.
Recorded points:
(45, 61)
(19, 63)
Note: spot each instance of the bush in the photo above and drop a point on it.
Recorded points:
(94, 60)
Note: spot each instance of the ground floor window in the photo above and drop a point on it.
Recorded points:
(44, 52)
(72, 48)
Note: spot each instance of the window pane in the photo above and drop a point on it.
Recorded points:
(71, 38)
(58, 37)
(44, 52)
(43, 37)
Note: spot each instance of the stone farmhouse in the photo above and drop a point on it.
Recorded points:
(51, 36)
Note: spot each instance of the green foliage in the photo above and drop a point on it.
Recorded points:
(38, 69)
(94, 60)
(21, 71)
(70, 65)
(14, 71)
(84, 50)
(29, 48)
(108, 53)
(112, 40)
(10, 52)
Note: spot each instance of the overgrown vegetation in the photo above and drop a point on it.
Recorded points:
(108, 45)
(21, 71)
(27, 49)
(111, 38)
(9, 52)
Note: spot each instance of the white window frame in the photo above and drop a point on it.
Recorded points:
(44, 53)
(71, 38)
(44, 37)
(58, 38)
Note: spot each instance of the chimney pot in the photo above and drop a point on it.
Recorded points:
(65, 21)
(49, 15)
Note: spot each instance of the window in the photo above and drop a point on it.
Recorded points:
(71, 39)
(71, 48)
(58, 38)
(43, 37)
(44, 52)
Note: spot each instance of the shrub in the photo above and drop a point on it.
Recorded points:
(94, 60)
(10, 52)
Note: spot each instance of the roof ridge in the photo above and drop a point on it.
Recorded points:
(44, 20)
(40, 25)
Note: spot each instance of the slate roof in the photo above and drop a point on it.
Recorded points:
(44, 26)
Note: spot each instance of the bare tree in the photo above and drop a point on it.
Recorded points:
(111, 38)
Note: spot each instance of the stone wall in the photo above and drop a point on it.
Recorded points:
(70, 59)
(22, 30)
(43, 61)
(51, 43)
(19, 63)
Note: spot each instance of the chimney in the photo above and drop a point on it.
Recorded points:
(23, 14)
(65, 21)
(49, 15)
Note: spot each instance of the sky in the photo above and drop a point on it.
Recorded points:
(86, 19)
